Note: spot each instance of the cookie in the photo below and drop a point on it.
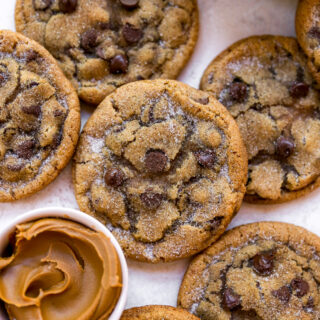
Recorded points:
(103, 44)
(266, 85)
(163, 166)
(157, 313)
(263, 271)
(39, 115)
(308, 33)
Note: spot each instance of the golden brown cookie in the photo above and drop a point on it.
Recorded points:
(308, 33)
(103, 44)
(265, 83)
(39, 115)
(261, 271)
(157, 313)
(163, 166)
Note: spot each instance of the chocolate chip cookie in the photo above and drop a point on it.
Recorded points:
(103, 44)
(163, 166)
(39, 117)
(262, 271)
(308, 33)
(157, 313)
(265, 83)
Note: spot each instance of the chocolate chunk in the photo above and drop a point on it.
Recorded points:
(131, 33)
(300, 286)
(314, 32)
(114, 177)
(89, 39)
(230, 299)
(283, 294)
(284, 147)
(129, 4)
(119, 64)
(238, 91)
(299, 90)
(42, 4)
(34, 110)
(206, 158)
(25, 149)
(3, 79)
(151, 200)
(68, 6)
(155, 161)
(263, 263)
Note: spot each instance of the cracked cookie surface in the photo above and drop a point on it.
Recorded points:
(39, 117)
(103, 44)
(163, 166)
(157, 313)
(259, 271)
(266, 85)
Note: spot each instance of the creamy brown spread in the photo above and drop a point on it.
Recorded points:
(60, 269)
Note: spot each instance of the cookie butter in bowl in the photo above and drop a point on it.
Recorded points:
(58, 263)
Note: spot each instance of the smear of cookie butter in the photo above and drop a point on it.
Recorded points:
(60, 270)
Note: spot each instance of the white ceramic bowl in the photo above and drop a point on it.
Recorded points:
(86, 220)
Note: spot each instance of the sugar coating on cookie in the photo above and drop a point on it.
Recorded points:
(262, 271)
(39, 115)
(157, 313)
(103, 44)
(265, 83)
(163, 166)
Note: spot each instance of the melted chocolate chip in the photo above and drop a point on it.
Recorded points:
(238, 91)
(230, 299)
(129, 4)
(68, 6)
(3, 79)
(300, 286)
(283, 294)
(89, 39)
(119, 64)
(131, 33)
(114, 177)
(299, 90)
(284, 147)
(25, 149)
(151, 200)
(314, 32)
(42, 4)
(155, 161)
(263, 263)
(34, 110)
(206, 158)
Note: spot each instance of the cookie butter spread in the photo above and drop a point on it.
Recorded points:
(60, 269)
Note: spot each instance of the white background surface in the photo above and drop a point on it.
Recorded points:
(222, 23)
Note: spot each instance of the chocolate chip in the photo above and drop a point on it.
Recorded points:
(300, 286)
(57, 113)
(129, 4)
(230, 299)
(30, 55)
(151, 200)
(3, 79)
(16, 166)
(299, 90)
(119, 64)
(67, 6)
(263, 263)
(100, 53)
(284, 147)
(89, 39)
(34, 110)
(42, 4)
(309, 306)
(206, 158)
(283, 294)
(155, 161)
(25, 149)
(204, 100)
(131, 33)
(114, 177)
(314, 32)
(238, 91)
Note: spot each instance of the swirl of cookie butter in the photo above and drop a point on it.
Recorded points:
(60, 270)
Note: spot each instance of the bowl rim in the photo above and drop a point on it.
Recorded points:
(79, 217)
